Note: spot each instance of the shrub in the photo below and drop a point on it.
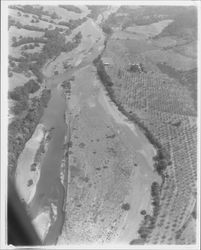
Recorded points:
(30, 182)
(143, 212)
(107, 30)
(125, 206)
(31, 86)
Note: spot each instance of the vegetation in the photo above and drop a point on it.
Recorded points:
(163, 158)
(107, 29)
(17, 24)
(34, 10)
(96, 10)
(26, 40)
(30, 182)
(146, 15)
(184, 25)
(21, 96)
(73, 24)
(53, 46)
(149, 221)
(22, 128)
(186, 78)
(125, 206)
(102, 73)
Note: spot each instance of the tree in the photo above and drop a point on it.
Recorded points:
(14, 39)
(106, 29)
(125, 206)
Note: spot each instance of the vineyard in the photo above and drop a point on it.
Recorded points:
(166, 109)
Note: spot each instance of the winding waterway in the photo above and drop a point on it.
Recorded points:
(50, 192)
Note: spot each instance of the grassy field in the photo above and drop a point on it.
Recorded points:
(149, 30)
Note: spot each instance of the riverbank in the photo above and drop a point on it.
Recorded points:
(150, 154)
(162, 157)
(157, 159)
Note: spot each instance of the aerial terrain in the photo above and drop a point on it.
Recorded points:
(102, 131)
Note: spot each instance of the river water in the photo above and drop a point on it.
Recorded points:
(50, 192)
(49, 188)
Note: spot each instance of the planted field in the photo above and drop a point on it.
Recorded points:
(173, 59)
(189, 50)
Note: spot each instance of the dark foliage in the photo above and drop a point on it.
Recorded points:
(102, 73)
(107, 29)
(22, 128)
(125, 206)
(72, 24)
(96, 10)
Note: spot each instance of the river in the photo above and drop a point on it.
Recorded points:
(50, 196)
(50, 190)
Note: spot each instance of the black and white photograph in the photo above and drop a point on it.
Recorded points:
(100, 125)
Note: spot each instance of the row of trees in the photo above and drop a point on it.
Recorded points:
(104, 77)
(73, 24)
(162, 160)
(149, 221)
(30, 46)
(25, 40)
